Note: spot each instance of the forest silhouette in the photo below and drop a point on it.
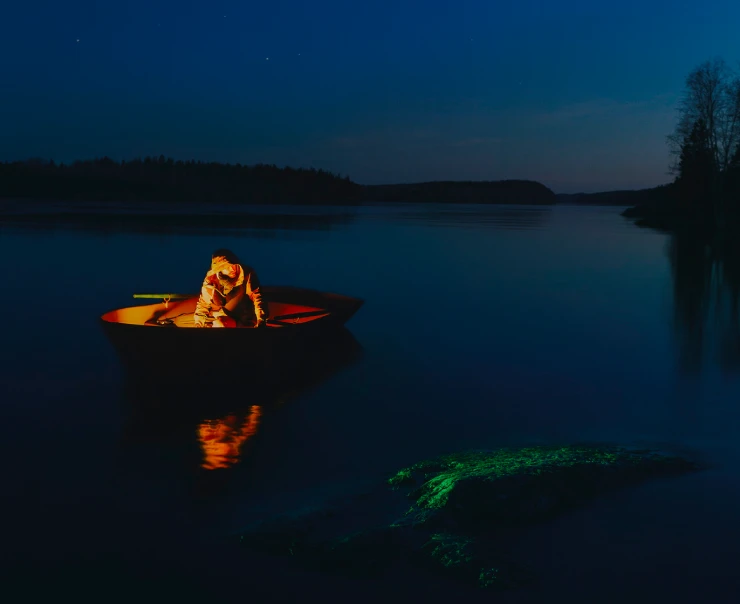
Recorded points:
(164, 179)
(705, 146)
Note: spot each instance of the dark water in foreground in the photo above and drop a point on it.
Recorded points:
(482, 327)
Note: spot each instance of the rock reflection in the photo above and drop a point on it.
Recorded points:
(172, 411)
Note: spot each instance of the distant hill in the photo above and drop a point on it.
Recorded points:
(496, 191)
(616, 198)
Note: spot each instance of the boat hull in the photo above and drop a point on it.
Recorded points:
(154, 397)
(147, 347)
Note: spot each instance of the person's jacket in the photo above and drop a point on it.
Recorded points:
(219, 297)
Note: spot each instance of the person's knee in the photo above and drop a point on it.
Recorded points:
(224, 322)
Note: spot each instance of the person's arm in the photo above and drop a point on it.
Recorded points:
(204, 305)
(252, 285)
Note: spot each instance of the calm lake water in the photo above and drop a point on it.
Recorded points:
(482, 327)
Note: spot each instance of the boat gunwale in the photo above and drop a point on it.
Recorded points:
(344, 307)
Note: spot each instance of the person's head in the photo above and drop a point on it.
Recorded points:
(225, 263)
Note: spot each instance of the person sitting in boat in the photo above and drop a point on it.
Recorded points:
(226, 293)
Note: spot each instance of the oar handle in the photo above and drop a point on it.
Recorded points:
(301, 315)
(165, 296)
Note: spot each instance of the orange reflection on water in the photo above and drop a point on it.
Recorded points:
(221, 439)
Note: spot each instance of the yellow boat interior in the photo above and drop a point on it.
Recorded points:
(180, 313)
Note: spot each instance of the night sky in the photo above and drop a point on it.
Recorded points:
(577, 95)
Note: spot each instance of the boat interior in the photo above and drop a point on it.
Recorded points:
(180, 314)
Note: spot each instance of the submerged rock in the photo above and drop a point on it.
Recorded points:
(449, 513)
(488, 489)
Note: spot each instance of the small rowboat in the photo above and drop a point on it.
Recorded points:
(164, 333)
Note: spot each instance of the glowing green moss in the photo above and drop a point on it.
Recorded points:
(441, 476)
(448, 514)
(473, 561)
(489, 577)
(449, 550)
(401, 478)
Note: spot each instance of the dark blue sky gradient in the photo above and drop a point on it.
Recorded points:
(578, 95)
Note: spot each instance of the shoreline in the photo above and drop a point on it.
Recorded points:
(103, 203)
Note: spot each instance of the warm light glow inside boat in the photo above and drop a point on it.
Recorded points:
(181, 314)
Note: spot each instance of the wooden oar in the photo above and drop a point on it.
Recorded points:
(165, 296)
(301, 315)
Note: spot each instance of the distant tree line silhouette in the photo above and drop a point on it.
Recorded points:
(707, 144)
(706, 149)
(164, 179)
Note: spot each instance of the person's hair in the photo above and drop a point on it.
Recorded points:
(230, 256)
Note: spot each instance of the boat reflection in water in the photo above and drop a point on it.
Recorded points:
(223, 411)
(221, 439)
